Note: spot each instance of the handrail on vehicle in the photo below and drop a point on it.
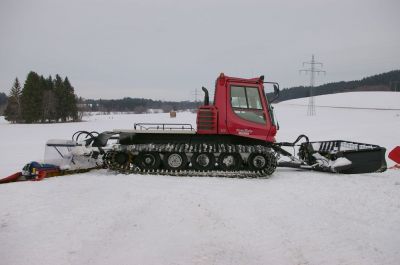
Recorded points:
(163, 126)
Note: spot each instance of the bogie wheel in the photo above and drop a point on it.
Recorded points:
(121, 160)
(203, 161)
(175, 161)
(229, 161)
(149, 160)
(262, 162)
(108, 158)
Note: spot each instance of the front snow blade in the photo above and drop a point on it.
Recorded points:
(364, 158)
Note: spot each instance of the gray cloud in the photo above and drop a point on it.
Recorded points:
(166, 49)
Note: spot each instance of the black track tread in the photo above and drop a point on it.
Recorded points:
(197, 148)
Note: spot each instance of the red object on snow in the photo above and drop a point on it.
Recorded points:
(395, 154)
(12, 178)
(41, 175)
(46, 173)
(36, 175)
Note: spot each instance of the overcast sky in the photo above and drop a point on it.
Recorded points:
(167, 49)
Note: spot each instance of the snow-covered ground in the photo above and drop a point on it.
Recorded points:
(377, 100)
(294, 217)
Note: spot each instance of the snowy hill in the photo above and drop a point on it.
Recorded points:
(294, 217)
(370, 100)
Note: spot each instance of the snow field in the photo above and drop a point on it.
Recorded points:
(26, 142)
(294, 217)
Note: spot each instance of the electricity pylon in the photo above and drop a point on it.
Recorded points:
(312, 70)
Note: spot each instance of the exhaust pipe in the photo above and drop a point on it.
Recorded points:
(206, 98)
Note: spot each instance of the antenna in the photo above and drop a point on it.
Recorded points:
(312, 70)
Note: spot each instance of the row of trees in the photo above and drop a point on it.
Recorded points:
(41, 100)
(388, 81)
(137, 105)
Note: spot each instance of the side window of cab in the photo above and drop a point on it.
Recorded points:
(246, 103)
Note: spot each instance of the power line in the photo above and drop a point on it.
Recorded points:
(312, 70)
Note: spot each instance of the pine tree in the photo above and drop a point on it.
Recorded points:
(13, 110)
(52, 99)
(49, 100)
(72, 108)
(32, 98)
(62, 99)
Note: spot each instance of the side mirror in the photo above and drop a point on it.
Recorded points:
(276, 90)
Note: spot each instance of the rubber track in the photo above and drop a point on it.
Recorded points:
(190, 149)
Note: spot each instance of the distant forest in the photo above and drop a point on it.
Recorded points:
(51, 107)
(389, 81)
(136, 105)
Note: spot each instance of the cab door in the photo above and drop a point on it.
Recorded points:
(246, 111)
